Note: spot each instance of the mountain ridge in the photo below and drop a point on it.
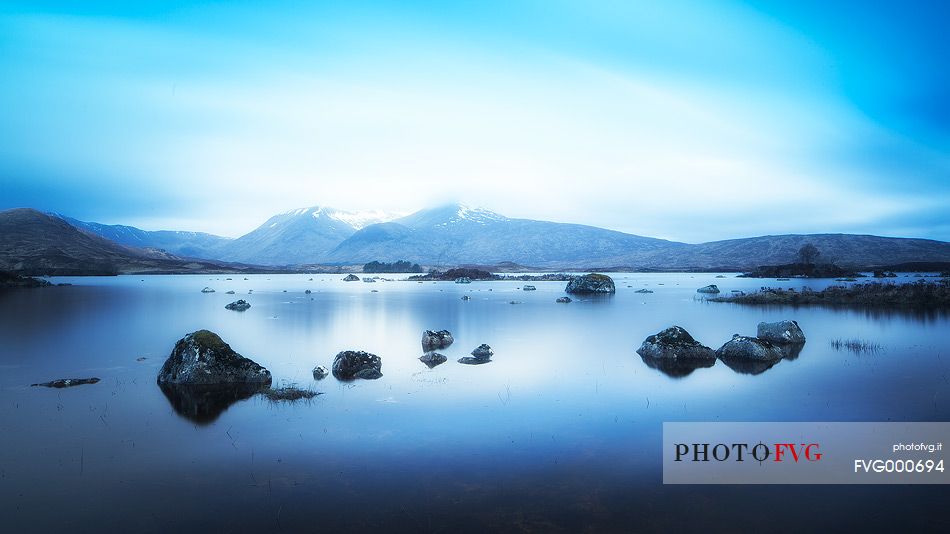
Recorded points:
(456, 234)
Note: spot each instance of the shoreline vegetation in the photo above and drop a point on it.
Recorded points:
(919, 294)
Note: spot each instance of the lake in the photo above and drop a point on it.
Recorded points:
(559, 433)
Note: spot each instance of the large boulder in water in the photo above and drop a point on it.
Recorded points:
(351, 278)
(238, 305)
(675, 343)
(591, 283)
(202, 358)
(353, 364)
(781, 332)
(712, 289)
(749, 348)
(439, 339)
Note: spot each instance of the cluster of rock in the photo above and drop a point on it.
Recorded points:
(590, 283)
(675, 352)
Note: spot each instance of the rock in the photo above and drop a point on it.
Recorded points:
(712, 288)
(307, 292)
(207, 290)
(591, 283)
(66, 382)
(466, 297)
(370, 280)
(644, 291)
(432, 359)
(320, 372)
(483, 352)
(675, 343)
(230, 292)
(463, 280)
(203, 358)
(351, 278)
(514, 302)
(781, 332)
(749, 348)
(529, 288)
(353, 364)
(238, 305)
(720, 276)
(468, 360)
(436, 340)
(563, 300)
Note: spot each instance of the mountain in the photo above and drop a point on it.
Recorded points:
(457, 234)
(36, 243)
(190, 244)
(845, 250)
(299, 236)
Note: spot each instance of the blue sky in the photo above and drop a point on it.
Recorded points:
(691, 121)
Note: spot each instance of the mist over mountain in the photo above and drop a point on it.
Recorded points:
(448, 235)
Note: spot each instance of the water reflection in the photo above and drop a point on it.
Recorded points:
(748, 367)
(204, 404)
(675, 368)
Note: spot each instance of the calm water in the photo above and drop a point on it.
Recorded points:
(561, 432)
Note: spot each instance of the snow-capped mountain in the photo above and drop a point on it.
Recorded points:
(458, 234)
(302, 235)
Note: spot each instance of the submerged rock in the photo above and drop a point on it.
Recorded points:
(712, 288)
(591, 283)
(432, 359)
(563, 300)
(231, 292)
(370, 280)
(238, 305)
(353, 364)
(207, 290)
(66, 382)
(464, 297)
(749, 348)
(320, 372)
(307, 292)
(436, 340)
(781, 332)
(675, 343)
(529, 288)
(203, 358)
(351, 278)
(643, 291)
(469, 360)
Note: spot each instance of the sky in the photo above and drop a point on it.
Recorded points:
(685, 120)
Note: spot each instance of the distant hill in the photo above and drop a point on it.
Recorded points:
(36, 243)
(190, 244)
(845, 250)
